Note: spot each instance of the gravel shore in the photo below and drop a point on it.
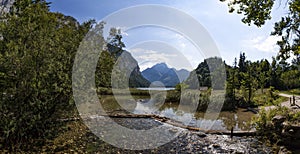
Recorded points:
(185, 142)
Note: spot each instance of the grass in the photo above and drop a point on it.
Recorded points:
(186, 97)
(292, 92)
(268, 97)
(266, 100)
(261, 98)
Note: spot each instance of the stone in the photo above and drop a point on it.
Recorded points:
(278, 118)
(216, 145)
(173, 130)
(200, 134)
(283, 150)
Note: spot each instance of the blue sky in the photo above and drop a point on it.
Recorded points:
(150, 45)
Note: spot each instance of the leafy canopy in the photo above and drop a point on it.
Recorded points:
(257, 12)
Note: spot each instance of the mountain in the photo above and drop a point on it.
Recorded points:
(183, 74)
(127, 67)
(155, 72)
(170, 77)
(136, 78)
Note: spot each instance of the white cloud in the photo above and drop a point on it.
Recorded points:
(182, 45)
(143, 55)
(142, 51)
(123, 33)
(147, 58)
(203, 9)
(265, 44)
(178, 36)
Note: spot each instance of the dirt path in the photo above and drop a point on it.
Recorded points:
(286, 103)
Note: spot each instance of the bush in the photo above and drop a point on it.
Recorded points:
(268, 128)
(36, 58)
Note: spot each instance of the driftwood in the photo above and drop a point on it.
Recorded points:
(170, 122)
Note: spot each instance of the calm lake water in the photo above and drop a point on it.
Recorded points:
(157, 88)
(225, 120)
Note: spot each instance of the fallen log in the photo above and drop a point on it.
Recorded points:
(217, 132)
(170, 122)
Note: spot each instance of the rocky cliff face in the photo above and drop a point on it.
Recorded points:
(125, 68)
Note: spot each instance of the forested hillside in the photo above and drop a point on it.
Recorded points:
(244, 77)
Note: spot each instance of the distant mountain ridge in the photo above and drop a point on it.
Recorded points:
(170, 77)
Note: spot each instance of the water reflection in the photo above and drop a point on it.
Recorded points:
(238, 119)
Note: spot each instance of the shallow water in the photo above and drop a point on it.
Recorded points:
(156, 88)
(225, 120)
(169, 139)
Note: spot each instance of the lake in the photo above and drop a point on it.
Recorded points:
(157, 88)
(238, 119)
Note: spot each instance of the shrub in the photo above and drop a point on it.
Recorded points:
(268, 128)
(36, 58)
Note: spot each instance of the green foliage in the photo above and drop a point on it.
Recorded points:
(268, 98)
(292, 92)
(111, 63)
(190, 96)
(181, 86)
(173, 96)
(209, 74)
(241, 82)
(245, 78)
(103, 70)
(249, 82)
(36, 59)
(232, 82)
(275, 73)
(295, 117)
(242, 63)
(115, 45)
(268, 128)
(263, 74)
(257, 12)
(295, 91)
(291, 79)
(288, 29)
(204, 100)
(137, 80)
(203, 74)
